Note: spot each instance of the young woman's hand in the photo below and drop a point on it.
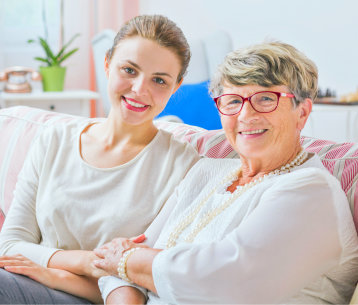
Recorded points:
(87, 268)
(21, 265)
(59, 279)
(76, 261)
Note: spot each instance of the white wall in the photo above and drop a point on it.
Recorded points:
(325, 30)
(22, 20)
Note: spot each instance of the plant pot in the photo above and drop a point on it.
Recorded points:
(53, 78)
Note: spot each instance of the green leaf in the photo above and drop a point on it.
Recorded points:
(71, 40)
(66, 46)
(43, 60)
(52, 59)
(48, 51)
(67, 55)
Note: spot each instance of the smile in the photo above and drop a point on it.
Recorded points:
(134, 106)
(253, 131)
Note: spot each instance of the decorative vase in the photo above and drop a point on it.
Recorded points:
(53, 78)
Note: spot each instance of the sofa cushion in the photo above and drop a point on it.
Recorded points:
(190, 110)
(20, 125)
(341, 159)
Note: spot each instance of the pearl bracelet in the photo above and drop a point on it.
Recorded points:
(122, 265)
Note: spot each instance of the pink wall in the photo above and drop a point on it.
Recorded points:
(89, 18)
(130, 9)
(111, 14)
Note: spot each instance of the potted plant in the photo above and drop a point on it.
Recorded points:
(53, 74)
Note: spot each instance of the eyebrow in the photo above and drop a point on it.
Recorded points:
(156, 73)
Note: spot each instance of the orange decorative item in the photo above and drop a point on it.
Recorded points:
(17, 79)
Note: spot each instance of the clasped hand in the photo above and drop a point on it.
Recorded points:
(111, 253)
(103, 261)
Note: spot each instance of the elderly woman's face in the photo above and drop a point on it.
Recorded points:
(265, 135)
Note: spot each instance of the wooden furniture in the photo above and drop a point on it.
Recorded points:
(337, 122)
(75, 102)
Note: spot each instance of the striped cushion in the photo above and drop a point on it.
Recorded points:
(20, 125)
(342, 161)
(18, 128)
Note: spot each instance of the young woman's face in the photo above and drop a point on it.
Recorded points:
(142, 75)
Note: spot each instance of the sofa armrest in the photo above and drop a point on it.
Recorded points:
(354, 299)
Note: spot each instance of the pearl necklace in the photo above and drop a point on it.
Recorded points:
(210, 215)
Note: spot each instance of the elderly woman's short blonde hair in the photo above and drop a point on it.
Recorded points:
(268, 64)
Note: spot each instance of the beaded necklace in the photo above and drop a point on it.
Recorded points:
(210, 215)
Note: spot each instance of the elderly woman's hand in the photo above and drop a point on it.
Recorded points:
(111, 253)
(89, 269)
(76, 261)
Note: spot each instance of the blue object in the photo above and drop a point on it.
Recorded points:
(194, 106)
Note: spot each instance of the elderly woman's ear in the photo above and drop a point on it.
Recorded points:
(305, 108)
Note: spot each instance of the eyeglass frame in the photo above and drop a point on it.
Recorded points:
(244, 99)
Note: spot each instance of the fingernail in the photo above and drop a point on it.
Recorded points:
(139, 238)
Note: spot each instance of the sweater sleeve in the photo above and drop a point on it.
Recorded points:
(20, 233)
(289, 240)
(107, 284)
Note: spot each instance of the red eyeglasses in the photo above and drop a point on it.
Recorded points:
(263, 102)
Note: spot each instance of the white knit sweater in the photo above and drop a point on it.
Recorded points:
(61, 202)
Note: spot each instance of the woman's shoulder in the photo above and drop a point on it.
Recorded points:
(313, 171)
(307, 177)
(166, 142)
(170, 139)
(309, 181)
(60, 129)
(59, 134)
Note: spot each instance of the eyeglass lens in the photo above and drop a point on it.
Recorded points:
(261, 102)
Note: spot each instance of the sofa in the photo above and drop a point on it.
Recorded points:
(20, 125)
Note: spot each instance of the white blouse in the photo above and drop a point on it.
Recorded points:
(289, 239)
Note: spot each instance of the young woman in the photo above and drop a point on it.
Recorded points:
(81, 186)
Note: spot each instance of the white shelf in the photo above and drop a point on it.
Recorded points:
(338, 123)
(74, 102)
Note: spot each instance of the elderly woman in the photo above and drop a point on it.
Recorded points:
(273, 226)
